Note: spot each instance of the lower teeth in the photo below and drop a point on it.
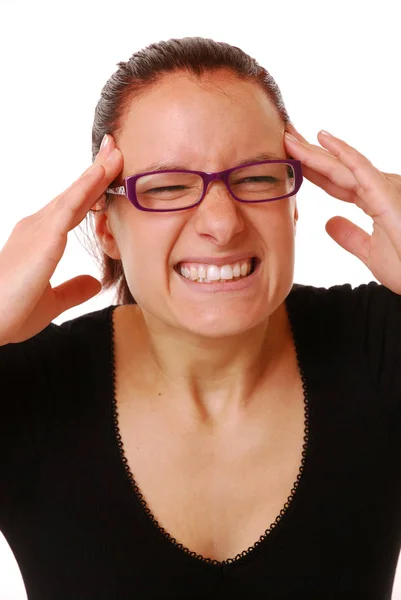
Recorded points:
(216, 280)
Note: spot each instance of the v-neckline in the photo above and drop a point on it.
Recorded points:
(283, 515)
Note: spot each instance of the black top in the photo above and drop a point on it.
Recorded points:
(80, 528)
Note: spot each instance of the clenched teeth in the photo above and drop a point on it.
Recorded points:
(212, 273)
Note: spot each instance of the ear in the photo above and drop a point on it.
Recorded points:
(105, 231)
(296, 215)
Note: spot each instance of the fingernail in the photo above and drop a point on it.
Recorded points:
(104, 141)
(291, 138)
(323, 132)
(112, 156)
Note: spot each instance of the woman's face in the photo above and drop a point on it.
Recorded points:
(208, 125)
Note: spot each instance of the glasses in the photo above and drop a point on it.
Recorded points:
(172, 190)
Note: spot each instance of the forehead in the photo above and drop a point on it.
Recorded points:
(205, 122)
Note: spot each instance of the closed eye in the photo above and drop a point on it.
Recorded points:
(257, 179)
(167, 188)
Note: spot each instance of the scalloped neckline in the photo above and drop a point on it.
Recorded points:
(139, 495)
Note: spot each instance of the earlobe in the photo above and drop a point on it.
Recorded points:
(105, 235)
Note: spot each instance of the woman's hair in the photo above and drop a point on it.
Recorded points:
(196, 56)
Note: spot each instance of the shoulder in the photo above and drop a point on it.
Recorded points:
(84, 324)
(56, 342)
(360, 325)
(367, 309)
(372, 300)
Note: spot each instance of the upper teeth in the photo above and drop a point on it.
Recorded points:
(207, 273)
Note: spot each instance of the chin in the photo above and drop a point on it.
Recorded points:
(216, 324)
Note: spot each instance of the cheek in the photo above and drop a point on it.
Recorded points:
(275, 224)
(283, 235)
(275, 227)
(145, 253)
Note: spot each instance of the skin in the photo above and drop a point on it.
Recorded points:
(209, 346)
(345, 173)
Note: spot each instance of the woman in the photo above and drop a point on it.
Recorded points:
(221, 431)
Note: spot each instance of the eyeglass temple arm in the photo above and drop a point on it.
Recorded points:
(120, 190)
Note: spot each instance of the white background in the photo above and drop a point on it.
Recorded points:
(337, 64)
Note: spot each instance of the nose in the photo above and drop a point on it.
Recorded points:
(218, 216)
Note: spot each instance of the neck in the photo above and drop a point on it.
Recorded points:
(213, 380)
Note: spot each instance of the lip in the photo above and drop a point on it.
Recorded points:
(228, 286)
(219, 261)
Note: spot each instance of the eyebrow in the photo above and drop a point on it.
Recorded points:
(175, 167)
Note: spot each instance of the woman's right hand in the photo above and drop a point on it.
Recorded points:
(30, 256)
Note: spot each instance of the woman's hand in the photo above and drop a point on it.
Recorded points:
(28, 302)
(346, 174)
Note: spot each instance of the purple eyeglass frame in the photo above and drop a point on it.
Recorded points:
(128, 189)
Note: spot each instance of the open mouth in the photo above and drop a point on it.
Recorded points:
(209, 273)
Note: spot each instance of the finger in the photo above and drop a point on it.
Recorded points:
(395, 176)
(291, 129)
(74, 292)
(101, 157)
(327, 185)
(80, 205)
(350, 237)
(371, 185)
(323, 163)
(72, 205)
(104, 151)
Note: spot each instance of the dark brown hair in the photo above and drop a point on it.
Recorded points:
(194, 55)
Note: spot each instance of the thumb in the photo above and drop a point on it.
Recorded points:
(75, 291)
(350, 237)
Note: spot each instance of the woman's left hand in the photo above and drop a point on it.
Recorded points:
(346, 174)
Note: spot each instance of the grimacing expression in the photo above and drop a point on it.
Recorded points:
(206, 124)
